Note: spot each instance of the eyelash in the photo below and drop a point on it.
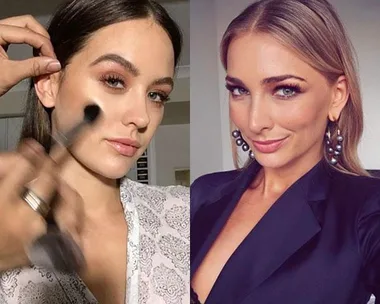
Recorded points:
(232, 88)
(164, 98)
(109, 81)
(295, 88)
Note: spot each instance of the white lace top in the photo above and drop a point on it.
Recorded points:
(158, 255)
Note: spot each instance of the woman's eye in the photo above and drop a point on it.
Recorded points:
(239, 91)
(236, 91)
(158, 97)
(287, 91)
(114, 82)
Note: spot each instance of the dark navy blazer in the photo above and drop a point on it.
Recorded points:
(318, 244)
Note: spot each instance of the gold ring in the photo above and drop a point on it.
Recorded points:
(36, 203)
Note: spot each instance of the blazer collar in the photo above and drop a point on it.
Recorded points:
(288, 225)
(316, 191)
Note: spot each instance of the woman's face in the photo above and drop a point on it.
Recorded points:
(280, 103)
(127, 69)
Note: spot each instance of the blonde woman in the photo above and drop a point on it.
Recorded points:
(300, 223)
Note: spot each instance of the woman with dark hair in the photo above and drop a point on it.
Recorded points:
(120, 55)
(300, 221)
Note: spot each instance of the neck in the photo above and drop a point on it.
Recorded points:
(100, 195)
(275, 181)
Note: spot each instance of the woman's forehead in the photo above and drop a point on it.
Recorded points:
(142, 42)
(265, 55)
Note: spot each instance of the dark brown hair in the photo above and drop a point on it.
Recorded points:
(70, 28)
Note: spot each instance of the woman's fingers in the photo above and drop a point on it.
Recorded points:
(32, 172)
(27, 21)
(18, 169)
(25, 30)
(18, 35)
(31, 67)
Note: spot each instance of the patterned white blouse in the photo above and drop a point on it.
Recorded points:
(158, 255)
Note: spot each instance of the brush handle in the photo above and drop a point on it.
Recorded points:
(67, 139)
(56, 250)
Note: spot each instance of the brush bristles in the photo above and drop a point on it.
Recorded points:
(91, 113)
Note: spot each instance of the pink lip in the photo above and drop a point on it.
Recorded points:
(124, 146)
(268, 146)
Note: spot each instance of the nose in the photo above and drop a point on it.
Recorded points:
(259, 115)
(137, 111)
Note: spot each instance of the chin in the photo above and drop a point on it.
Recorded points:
(112, 173)
(273, 160)
(104, 161)
(109, 168)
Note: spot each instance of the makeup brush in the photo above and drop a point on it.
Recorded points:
(57, 250)
(91, 113)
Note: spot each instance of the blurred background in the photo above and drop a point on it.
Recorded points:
(167, 160)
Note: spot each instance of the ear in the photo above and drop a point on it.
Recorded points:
(340, 94)
(46, 87)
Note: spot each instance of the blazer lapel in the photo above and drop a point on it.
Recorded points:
(216, 208)
(286, 227)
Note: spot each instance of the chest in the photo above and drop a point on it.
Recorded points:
(285, 259)
(311, 275)
(106, 253)
(243, 219)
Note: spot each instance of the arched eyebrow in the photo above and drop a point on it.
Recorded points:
(269, 80)
(165, 80)
(131, 68)
(126, 64)
(280, 78)
(235, 81)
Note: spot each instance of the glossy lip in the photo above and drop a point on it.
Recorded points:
(124, 146)
(125, 141)
(268, 146)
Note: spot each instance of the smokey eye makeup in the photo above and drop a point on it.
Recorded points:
(286, 91)
(113, 81)
(159, 97)
(117, 84)
(282, 91)
(235, 90)
(116, 74)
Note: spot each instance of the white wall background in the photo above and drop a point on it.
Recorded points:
(167, 154)
(10, 130)
(210, 141)
(205, 118)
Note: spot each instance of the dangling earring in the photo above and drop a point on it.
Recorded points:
(242, 143)
(337, 152)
